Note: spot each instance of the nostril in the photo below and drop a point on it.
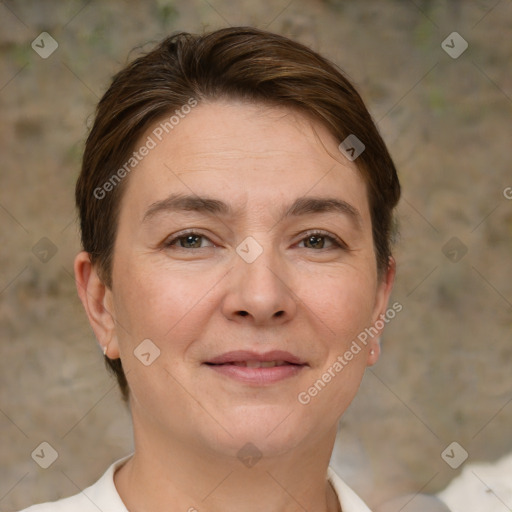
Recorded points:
(279, 313)
(243, 313)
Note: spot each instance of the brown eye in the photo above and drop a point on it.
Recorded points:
(315, 242)
(188, 241)
(320, 241)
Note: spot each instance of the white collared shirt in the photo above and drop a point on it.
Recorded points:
(103, 496)
(482, 486)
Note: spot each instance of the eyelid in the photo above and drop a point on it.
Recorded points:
(326, 234)
(181, 234)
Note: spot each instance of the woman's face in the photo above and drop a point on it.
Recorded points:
(250, 296)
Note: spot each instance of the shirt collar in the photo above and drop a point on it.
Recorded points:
(105, 495)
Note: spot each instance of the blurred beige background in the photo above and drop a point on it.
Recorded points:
(445, 374)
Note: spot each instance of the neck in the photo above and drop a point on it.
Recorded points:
(165, 475)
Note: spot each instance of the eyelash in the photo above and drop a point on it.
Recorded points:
(337, 243)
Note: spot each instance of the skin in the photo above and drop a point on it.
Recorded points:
(311, 299)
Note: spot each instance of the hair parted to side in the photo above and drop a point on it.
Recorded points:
(239, 63)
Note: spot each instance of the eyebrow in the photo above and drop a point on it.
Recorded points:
(206, 205)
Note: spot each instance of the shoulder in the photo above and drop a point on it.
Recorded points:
(349, 500)
(77, 503)
(414, 503)
(479, 485)
(102, 495)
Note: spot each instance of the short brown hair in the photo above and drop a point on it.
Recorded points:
(240, 63)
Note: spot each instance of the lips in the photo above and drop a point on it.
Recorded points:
(259, 364)
(255, 360)
(257, 369)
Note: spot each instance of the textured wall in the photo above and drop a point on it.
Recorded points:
(445, 372)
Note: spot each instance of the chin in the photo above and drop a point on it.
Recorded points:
(268, 430)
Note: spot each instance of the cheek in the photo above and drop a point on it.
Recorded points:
(145, 304)
(162, 305)
(344, 302)
(335, 381)
(155, 307)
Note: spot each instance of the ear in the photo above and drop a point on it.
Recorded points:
(97, 300)
(379, 321)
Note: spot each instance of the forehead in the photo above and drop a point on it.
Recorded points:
(247, 154)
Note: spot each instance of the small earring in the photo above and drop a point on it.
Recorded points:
(105, 350)
(372, 352)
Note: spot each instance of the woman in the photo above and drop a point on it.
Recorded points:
(236, 209)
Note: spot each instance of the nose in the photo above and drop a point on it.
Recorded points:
(260, 292)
